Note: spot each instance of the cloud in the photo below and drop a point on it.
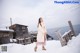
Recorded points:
(27, 12)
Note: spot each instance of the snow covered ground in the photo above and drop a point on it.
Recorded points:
(51, 46)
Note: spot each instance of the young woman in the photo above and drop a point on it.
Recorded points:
(41, 36)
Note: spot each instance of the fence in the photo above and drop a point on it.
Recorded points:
(66, 36)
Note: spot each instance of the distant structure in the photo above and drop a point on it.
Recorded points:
(21, 33)
(5, 35)
(19, 30)
(11, 21)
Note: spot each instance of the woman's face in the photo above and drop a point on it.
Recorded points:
(41, 20)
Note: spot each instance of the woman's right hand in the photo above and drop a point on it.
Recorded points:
(45, 36)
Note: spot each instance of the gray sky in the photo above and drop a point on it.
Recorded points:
(27, 12)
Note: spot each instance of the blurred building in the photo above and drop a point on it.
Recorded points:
(5, 35)
(21, 33)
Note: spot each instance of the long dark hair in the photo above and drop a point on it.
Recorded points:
(39, 21)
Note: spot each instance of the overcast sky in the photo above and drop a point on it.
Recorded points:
(27, 12)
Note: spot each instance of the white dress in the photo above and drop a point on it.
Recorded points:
(41, 36)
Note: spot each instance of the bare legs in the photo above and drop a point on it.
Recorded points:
(35, 49)
(43, 48)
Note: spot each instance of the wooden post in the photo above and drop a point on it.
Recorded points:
(11, 21)
(63, 42)
(71, 27)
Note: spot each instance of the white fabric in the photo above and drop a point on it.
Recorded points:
(41, 31)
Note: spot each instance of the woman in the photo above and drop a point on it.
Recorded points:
(41, 36)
